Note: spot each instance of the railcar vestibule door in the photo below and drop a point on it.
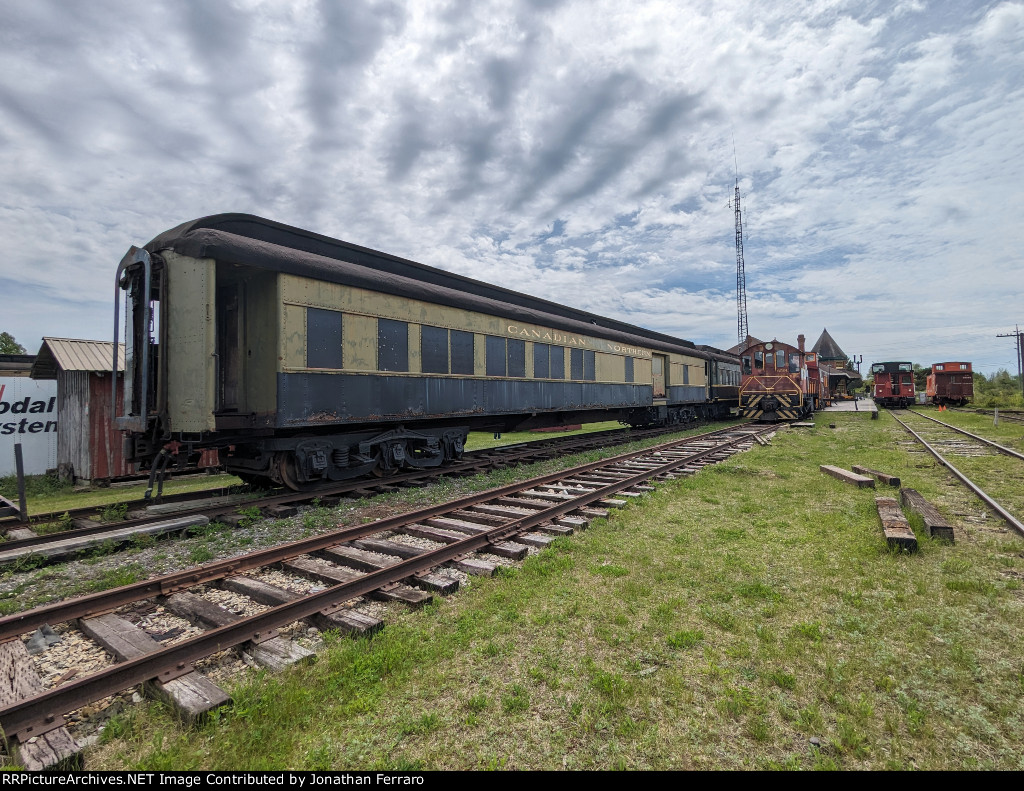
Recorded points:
(658, 365)
(229, 343)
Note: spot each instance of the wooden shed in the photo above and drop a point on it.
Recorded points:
(89, 446)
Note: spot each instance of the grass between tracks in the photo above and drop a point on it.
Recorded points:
(748, 617)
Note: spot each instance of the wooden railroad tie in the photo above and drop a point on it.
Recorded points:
(892, 480)
(860, 481)
(895, 525)
(935, 522)
(55, 749)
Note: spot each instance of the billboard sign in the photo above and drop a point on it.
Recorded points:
(28, 414)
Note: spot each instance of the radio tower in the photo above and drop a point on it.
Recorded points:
(741, 275)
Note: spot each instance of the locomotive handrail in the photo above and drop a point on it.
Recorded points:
(134, 256)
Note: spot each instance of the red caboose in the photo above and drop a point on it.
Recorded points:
(778, 381)
(950, 383)
(894, 384)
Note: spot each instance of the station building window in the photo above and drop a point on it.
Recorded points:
(323, 338)
(392, 345)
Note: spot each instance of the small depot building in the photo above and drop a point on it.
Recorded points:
(89, 446)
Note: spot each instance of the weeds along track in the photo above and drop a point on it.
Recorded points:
(120, 524)
(1013, 415)
(407, 558)
(987, 468)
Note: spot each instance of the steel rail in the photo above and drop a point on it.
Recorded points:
(1009, 518)
(475, 460)
(997, 446)
(43, 712)
(12, 626)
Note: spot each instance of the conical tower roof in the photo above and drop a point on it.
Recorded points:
(827, 349)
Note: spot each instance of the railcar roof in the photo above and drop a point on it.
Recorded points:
(254, 241)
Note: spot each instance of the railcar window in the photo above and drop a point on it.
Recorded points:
(516, 357)
(589, 366)
(323, 338)
(939, 368)
(392, 345)
(462, 352)
(495, 356)
(780, 359)
(878, 368)
(906, 367)
(759, 359)
(576, 364)
(541, 360)
(963, 366)
(434, 350)
(629, 369)
(794, 363)
(686, 375)
(558, 362)
(746, 365)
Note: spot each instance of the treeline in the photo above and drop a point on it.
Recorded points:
(997, 390)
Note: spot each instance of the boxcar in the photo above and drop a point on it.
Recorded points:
(894, 384)
(305, 358)
(778, 381)
(950, 383)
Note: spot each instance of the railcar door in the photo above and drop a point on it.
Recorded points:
(229, 330)
(659, 364)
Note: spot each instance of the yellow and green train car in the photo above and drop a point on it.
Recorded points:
(305, 358)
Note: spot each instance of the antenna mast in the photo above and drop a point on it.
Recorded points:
(741, 275)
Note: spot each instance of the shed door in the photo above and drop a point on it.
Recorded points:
(658, 365)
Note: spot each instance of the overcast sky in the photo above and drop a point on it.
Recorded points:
(579, 151)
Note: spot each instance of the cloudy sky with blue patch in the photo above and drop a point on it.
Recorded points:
(580, 151)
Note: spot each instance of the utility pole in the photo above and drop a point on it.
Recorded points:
(1016, 334)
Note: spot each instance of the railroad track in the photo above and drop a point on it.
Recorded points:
(403, 558)
(176, 513)
(1014, 416)
(981, 458)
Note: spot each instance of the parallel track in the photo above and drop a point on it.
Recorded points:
(534, 504)
(472, 463)
(1007, 517)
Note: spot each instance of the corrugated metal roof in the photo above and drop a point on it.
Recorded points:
(69, 354)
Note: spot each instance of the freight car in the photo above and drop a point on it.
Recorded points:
(778, 381)
(950, 383)
(894, 384)
(306, 359)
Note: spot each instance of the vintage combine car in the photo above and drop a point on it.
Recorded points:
(778, 381)
(894, 384)
(307, 359)
(950, 383)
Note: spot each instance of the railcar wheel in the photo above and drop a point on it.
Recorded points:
(290, 477)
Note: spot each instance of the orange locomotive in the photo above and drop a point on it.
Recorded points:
(779, 381)
(950, 383)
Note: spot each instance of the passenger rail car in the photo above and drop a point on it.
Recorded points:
(950, 383)
(306, 359)
(894, 384)
(778, 382)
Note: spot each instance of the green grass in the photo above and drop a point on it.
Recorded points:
(749, 617)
